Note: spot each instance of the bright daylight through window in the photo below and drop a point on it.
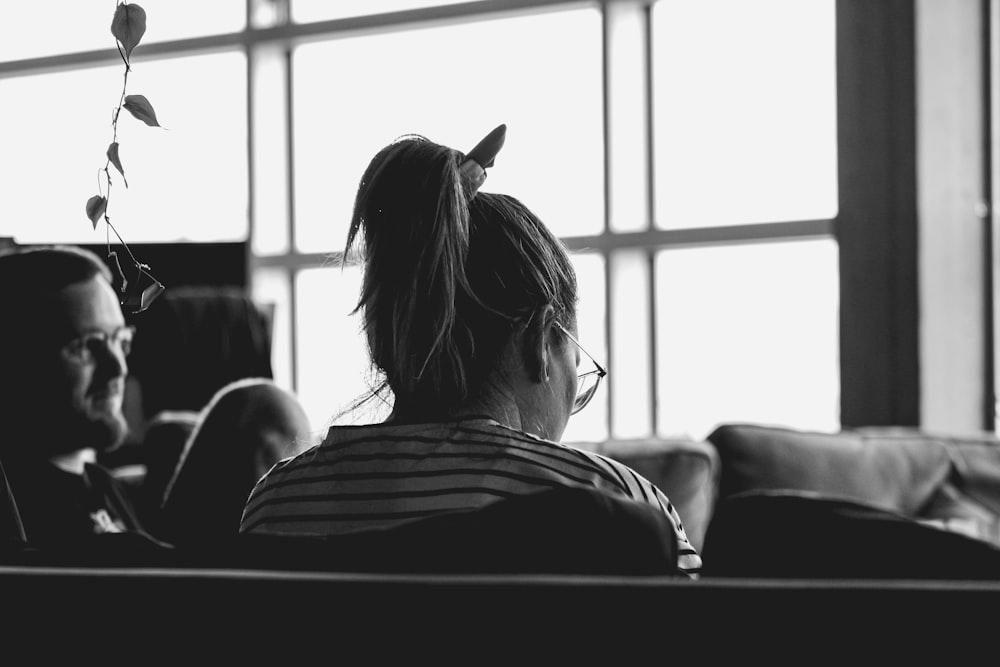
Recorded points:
(687, 161)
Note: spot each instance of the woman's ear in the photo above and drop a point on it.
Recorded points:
(534, 345)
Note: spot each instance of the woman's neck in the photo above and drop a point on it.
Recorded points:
(502, 411)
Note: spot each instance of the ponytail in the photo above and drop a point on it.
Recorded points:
(415, 223)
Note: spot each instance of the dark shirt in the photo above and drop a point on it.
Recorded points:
(55, 505)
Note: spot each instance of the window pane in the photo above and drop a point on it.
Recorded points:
(270, 160)
(591, 423)
(37, 29)
(748, 333)
(332, 362)
(744, 111)
(273, 289)
(344, 114)
(304, 11)
(630, 384)
(187, 180)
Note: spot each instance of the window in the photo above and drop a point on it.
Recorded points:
(187, 180)
(745, 143)
(744, 111)
(549, 98)
(747, 333)
(58, 27)
(340, 119)
(686, 153)
(591, 424)
(332, 366)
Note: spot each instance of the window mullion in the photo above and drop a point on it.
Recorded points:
(628, 184)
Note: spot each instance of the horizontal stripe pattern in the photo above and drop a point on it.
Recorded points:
(383, 475)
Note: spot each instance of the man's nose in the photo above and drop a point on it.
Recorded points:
(111, 359)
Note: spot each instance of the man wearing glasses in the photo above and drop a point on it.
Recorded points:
(65, 341)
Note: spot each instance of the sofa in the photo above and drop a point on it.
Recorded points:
(866, 542)
(748, 484)
(943, 487)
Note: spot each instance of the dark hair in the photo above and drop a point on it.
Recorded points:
(447, 280)
(28, 274)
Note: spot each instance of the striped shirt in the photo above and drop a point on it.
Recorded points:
(382, 475)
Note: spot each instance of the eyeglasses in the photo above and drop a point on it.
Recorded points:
(83, 349)
(588, 382)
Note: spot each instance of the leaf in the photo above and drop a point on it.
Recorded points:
(128, 26)
(139, 106)
(149, 295)
(96, 206)
(113, 256)
(113, 156)
(138, 301)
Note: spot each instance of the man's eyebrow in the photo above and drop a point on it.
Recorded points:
(78, 333)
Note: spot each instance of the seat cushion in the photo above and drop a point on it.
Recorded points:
(897, 470)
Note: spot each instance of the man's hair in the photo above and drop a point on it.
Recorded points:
(28, 272)
(31, 274)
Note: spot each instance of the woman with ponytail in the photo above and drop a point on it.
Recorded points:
(469, 307)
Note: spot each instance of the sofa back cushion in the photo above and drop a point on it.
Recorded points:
(685, 470)
(898, 470)
(968, 500)
(976, 468)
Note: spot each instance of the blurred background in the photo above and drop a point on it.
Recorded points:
(779, 210)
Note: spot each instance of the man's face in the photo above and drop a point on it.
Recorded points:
(83, 393)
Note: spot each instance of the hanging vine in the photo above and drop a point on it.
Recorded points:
(128, 26)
